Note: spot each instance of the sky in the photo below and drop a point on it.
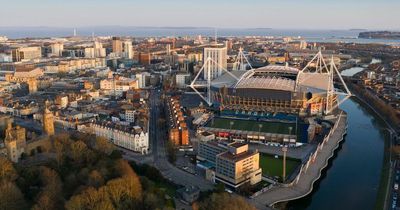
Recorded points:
(282, 14)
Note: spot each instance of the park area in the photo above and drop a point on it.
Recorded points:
(272, 165)
(251, 125)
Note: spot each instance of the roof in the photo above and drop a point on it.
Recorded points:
(237, 157)
(274, 83)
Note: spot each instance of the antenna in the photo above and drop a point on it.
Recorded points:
(216, 36)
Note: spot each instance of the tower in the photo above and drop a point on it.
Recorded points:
(117, 45)
(48, 121)
(218, 57)
(15, 142)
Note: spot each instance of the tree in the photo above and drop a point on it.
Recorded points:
(7, 170)
(51, 195)
(95, 179)
(125, 193)
(11, 197)
(104, 146)
(78, 151)
(90, 199)
(225, 201)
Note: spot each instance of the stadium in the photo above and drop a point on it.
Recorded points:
(273, 103)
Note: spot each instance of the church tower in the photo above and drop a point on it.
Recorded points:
(48, 121)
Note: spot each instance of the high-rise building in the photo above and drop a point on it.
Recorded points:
(117, 45)
(56, 49)
(218, 62)
(127, 50)
(26, 53)
(48, 121)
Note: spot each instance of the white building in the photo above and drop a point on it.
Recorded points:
(4, 58)
(56, 49)
(141, 77)
(118, 85)
(218, 61)
(134, 139)
(127, 50)
(182, 80)
(130, 116)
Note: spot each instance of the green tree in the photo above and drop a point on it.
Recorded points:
(78, 151)
(7, 170)
(104, 146)
(11, 197)
(225, 201)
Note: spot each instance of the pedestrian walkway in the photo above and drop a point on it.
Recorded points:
(303, 184)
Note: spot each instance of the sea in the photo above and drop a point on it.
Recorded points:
(348, 36)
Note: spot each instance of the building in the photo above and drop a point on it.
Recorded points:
(118, 85)
(48, 121)
(218, 62)
(127, 50)
(26, 53)
(142, 77)
(144, 58)
(132, 138)
(238, 166)
(57, 49)
(130, 116)
(15, 142)
(117, 46)
(189, 194)
(208, 151)
(182, 80)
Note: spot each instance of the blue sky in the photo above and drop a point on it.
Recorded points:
(292, 14)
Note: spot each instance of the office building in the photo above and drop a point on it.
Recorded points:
(26, 53)
(127, 50)
(117, 46)
(238, 166)
(218, 61)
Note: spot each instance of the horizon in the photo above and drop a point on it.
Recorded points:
(289, 14)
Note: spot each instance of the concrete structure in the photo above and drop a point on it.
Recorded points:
(116, 86)
(127, 49)
(218, 55)
(15, 142)
(142, 77)
(238, 166)
(48, 121)
(26, 53)
(57, 49)
(182, 80)
(117, 46)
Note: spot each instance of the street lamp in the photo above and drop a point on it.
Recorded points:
(284, 150)
(231, 124)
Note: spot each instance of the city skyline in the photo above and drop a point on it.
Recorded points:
(287, 14)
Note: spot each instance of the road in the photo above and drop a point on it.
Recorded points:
(158, 157)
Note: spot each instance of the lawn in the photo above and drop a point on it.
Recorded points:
(251, 125)
(272, 166)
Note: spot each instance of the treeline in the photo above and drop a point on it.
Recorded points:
(85, 173)
(88, 173)
(387, 111)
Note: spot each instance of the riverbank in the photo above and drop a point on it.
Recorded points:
(383, 189)
(310, 172)
(386, 119)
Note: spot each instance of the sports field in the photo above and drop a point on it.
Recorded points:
(272, 166)
(252, 125)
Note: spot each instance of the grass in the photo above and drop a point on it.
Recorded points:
(272, 166)
(251, 125)
(384, 180)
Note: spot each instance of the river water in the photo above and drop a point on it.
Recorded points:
(352, 178)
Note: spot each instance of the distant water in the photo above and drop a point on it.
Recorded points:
(354, 70)
(309, 35)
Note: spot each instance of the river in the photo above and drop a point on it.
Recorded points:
(354, 70)
(352, 179)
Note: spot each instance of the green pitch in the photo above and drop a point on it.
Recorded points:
(251, 125)
(272, 166)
